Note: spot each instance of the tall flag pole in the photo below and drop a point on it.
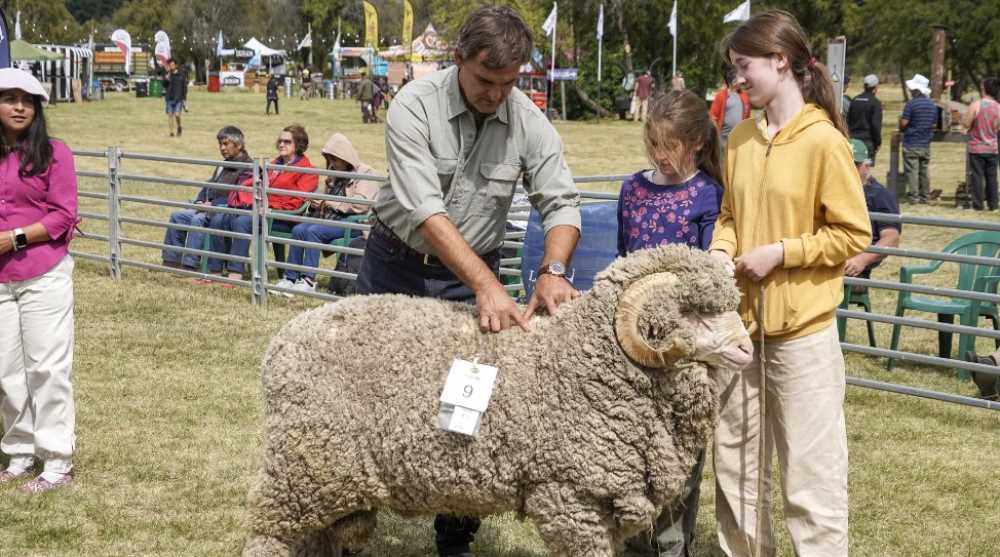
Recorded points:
(673, 31)
(600, 40)
(550, 29)
(740, 13)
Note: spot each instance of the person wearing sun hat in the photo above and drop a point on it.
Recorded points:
(878, 200)
(917, 122)
(38, 212)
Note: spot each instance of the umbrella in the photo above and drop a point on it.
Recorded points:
(23, 50)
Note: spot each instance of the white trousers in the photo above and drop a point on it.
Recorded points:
(805, 425)
(36, 364)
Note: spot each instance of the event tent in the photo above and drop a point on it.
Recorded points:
(260, 50)
(23, 50)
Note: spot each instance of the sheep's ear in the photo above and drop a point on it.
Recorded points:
(632, 341)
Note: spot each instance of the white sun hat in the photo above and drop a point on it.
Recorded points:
(919, 83)
(13, 78)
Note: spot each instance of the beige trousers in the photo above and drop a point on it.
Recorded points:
(805, 424)
(36, 364)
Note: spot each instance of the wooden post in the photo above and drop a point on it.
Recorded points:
(894, 178)
(937, 61)
(562, 95)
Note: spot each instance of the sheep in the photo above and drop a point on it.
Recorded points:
(596, 419)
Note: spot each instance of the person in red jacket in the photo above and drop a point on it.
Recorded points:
(728, 110)
(292, 145)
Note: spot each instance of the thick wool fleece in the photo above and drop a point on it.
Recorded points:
(577, 437)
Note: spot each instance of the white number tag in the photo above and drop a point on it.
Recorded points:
(466, 395)
(469, 385)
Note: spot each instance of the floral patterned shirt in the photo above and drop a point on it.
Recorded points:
(652, 215)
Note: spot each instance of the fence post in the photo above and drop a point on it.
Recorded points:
(895, 179)
(114, 205)
(258, 267)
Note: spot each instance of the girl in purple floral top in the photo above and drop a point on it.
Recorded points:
(677, 201)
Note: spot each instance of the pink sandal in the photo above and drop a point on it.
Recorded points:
(7, 477)
(41, 485)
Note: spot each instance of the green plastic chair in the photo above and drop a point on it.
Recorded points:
(349, 234)
(977, 278)
(858, 299)
(279, 249)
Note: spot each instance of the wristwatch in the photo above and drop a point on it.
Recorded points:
(555, 268)
(20, 239)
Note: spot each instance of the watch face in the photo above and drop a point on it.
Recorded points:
(555, 268)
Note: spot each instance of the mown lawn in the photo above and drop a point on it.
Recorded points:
(167, 383)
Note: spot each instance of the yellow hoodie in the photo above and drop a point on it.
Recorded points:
(800, 188)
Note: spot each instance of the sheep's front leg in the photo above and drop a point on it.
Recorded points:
(570, 526)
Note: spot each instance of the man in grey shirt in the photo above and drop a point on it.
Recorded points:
(457, 142)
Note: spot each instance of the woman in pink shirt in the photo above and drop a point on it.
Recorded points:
(37, 217)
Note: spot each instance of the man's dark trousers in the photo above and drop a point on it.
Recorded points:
(389, 267)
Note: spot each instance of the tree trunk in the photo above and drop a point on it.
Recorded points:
(586, 100)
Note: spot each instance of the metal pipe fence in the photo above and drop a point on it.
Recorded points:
(118, 214)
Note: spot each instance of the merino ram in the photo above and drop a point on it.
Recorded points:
(596, 419)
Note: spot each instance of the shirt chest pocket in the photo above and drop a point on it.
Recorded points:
(445, 169)
(500, 179)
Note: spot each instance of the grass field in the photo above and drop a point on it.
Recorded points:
(167, 383)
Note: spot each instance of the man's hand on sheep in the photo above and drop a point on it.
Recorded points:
(550, 291)
(497, 310)
(760, 261)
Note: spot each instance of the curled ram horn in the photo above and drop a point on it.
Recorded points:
(631, 339)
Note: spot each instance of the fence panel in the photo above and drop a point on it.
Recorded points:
(114, 197)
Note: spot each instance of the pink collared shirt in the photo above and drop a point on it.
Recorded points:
(49, 198)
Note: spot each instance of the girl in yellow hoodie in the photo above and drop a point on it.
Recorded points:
(792, 213)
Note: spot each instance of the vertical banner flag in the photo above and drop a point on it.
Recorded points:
(124, 41)
(407, 24)
(371, 26)
(740, 13)
(600, 40)
(4, 42)
(672, 24)
(550, 22)
(307, 41)
(600, 23)
(219, 45)
(17, 26)
(162, 49)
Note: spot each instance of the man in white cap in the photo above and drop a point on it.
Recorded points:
(864, 119)
(917, 122)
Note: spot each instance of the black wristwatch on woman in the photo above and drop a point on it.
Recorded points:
(20, 239)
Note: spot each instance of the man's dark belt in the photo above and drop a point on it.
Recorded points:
(379, 229)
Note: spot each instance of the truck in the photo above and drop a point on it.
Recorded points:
(110, 71)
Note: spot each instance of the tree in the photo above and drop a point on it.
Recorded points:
(43, 21)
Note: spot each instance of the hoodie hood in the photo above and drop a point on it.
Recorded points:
(339, 146)
(809, 116)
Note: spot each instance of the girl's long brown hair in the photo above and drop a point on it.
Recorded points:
(778, 32)
(678, 123)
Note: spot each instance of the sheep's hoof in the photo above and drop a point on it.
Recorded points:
(263, 546)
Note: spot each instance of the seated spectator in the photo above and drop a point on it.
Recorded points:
(340, 155)
(879, 200)
(291, 145)
(231, 147)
